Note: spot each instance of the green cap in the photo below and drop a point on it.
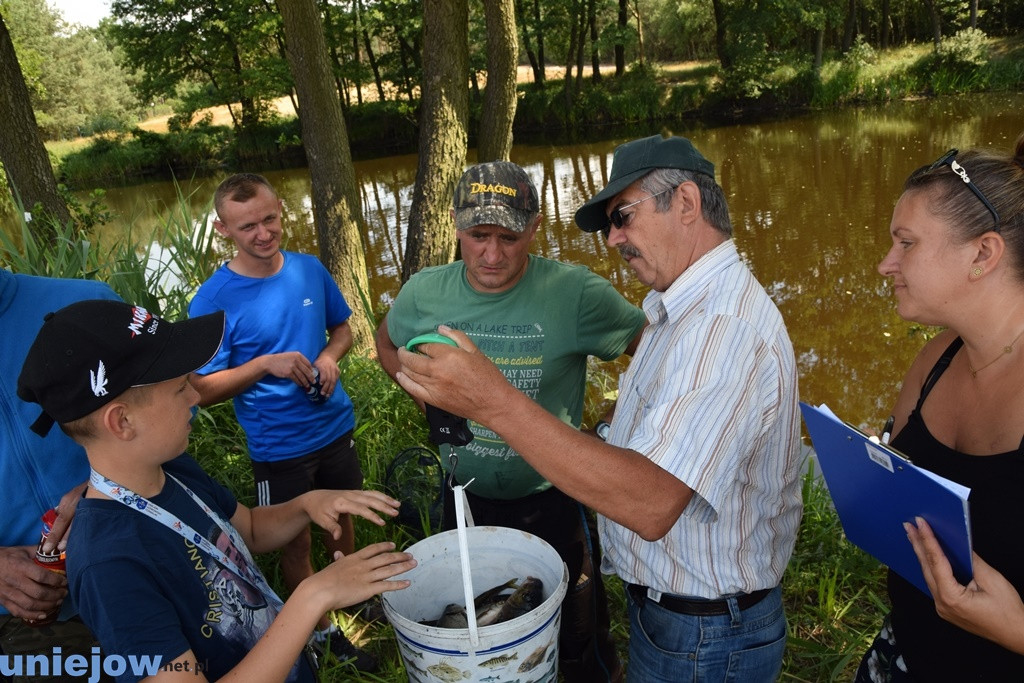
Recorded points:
(495, 193)
(632, 161)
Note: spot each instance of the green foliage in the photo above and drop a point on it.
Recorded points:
(834, 594)
(539, 109)
(162, 276)
(125, 158)
(638, 96)
(394, 28)
(685, 100)
(76, 82)
(381, 128)
(959, 64)
(232, 48)
(748, 76)
(70, 254)
(645, 93)
(6, 196)
(677, 31)
(860, 55)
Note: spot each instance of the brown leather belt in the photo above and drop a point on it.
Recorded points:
(696, 606)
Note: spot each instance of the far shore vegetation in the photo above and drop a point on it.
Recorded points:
(648, 94)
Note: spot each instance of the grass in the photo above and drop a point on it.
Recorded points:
(834, 593)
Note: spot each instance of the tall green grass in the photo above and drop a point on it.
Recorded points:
(834, 593)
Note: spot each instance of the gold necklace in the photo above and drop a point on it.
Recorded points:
(1006, 350)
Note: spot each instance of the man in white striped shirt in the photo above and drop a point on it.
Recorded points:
(698, 485)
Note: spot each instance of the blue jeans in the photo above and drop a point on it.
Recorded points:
(745, 645)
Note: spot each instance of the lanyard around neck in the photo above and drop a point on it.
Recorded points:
(126, 496)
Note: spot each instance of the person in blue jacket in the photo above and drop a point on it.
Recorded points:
(38, 473)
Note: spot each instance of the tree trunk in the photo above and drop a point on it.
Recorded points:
(405, 53)
(974, 13)
(933, 12)
(371, 57)
(499, 110)
(334, 192)
(581, 47)
(884, 40)
(639, 31)
(819, 50)
(356, 19)
(620, 49)
(25, 160)
(569, 90)
(538, 70)
(444, 115)
(538, 28)
(849, 26)
(595, 54)
(721, 43)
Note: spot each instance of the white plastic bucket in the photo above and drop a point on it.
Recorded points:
(524, 648)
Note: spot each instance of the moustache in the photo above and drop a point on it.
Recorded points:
(628, 250)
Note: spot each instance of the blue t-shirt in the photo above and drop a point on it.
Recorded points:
(288, 311)
(145, 591)
(35, 471)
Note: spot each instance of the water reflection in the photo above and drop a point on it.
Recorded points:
(810, 197)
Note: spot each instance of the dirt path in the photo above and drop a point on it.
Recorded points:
(283, 105)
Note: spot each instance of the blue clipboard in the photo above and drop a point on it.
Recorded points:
(875, 488)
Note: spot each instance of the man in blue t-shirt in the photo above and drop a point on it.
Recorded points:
(286, 329)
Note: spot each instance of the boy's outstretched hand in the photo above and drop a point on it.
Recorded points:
(324, 507)
(269, 527)
(351, 579)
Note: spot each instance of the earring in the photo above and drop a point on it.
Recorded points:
(976, 271)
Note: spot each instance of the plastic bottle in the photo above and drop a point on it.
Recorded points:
(54, 561)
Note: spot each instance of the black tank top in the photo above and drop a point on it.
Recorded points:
(934, 649)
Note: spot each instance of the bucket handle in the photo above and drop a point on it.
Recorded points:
(461, 507)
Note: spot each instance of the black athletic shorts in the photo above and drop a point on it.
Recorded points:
(335, 466)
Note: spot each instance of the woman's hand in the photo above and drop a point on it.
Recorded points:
(988, 606)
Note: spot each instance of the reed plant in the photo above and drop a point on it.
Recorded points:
(833, 592)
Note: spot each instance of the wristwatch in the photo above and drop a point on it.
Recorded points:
(601, 429)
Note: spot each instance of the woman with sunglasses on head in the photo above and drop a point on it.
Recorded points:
(957, 262)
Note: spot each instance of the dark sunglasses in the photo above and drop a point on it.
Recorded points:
(949, 158)
(620, 221)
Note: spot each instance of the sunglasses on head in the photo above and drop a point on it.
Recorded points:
(949, 159)
(619, 220)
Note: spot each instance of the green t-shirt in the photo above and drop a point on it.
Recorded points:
(539, 333)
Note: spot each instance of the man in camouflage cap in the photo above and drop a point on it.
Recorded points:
(538, 320)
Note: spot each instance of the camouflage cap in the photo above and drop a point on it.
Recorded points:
(495, 193)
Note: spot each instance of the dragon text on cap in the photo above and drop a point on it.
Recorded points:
(477, 188)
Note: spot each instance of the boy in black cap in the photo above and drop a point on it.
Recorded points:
(158, 558)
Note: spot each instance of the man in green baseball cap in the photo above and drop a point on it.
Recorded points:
(633, 161)
(697, 485)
